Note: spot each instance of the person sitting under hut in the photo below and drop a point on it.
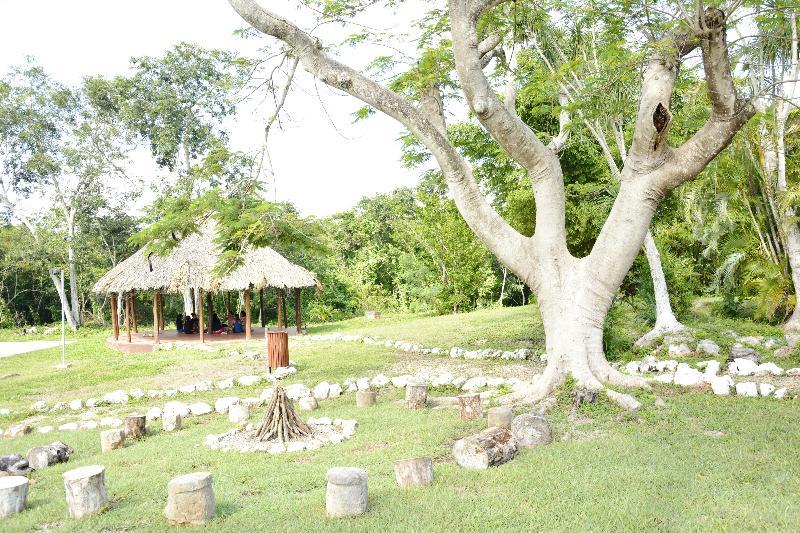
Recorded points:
(238, 327)
(179, 323)
(216, 324)
(187, 324)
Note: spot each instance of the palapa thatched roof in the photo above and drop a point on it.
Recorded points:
(191, 264)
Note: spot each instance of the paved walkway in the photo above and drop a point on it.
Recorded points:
(13, 348)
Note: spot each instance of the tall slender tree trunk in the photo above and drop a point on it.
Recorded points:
(503, 286)
(75, 307)
(188, 301)
(775, 165)
(665, 318)
(62, 295)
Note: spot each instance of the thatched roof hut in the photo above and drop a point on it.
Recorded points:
(191, 264)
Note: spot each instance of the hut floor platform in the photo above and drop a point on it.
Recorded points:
(143, 341)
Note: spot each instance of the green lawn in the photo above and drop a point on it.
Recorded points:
(606, 470)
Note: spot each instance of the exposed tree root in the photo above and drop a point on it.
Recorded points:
(791, 330)
(593, 374)
(661, 328)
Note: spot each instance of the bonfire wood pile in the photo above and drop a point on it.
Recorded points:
(280, 421)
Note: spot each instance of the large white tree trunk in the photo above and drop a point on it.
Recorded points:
(574, 294)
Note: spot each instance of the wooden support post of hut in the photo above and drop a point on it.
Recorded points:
(155, 317)
(128, 315)
(280, 309)
(200, 323)
(261, 316)
(133, 312)
(161, 312)
(298, 311)
(210, 302)
(247, 323)
(114, 315)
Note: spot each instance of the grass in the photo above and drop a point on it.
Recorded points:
(658, 469)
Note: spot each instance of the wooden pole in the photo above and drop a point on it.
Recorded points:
(280, 309)
(297, 311)
(200, 321)
(156, 325)
(210, 302)
(128, 315)
(133, 311)
(247, 314)
(261, 316)
(161, 312)
(114, 315)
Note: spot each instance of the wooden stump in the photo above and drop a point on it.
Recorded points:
(471, 408)
(346, 494)
(531, 430)
(171, 421)
(190, 499)
(490, 447)
(86, 490)
(278, 349)
(365, 398)
(13, 495)
(500, 417)
(135, 426)
(414, 472)
(112, 439)
(280, 421)
(416, 395)
(44, 456)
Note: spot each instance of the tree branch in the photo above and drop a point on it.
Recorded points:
(511, 133)
(559, 142)
(728, 112)
(512, 248)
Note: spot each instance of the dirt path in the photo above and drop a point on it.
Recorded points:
(7, 349)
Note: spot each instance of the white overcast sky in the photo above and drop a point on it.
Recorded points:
(322, 164)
